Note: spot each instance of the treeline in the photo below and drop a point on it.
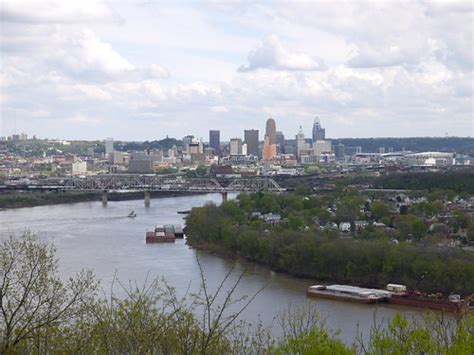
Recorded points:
(313, 253)
(165, 144)
(462, 145)
(30, 199)
(40, 313)
(461, 181)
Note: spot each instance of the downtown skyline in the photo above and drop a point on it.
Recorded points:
(136, 71)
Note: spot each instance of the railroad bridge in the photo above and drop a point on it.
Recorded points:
(148, 183)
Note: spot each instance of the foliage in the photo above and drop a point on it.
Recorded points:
(299, 248)
(42, 314)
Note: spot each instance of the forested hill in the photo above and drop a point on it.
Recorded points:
(463, 145)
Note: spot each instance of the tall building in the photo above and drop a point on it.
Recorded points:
(270, 141)
(300, 142)
(269, 150)
(251, 139)
(215, 141)
(319, 133)
(340, 151)
(270, 131)
(280, 142)
(235, 146)
(109, 146)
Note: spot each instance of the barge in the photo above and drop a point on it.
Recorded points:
(348, 293)
(160, 235)
(454, 303)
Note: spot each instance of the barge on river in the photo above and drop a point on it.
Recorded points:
(396, 294)
(454, 303)
(348, 293)
(160, 235)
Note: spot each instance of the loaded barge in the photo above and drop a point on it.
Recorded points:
(348, 293)
(396, 294)
(164, 234)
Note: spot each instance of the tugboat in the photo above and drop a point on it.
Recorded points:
(400, 295)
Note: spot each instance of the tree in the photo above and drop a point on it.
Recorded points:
(33, 299)
(379, 209)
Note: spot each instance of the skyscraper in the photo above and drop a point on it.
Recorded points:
(109, 146)
(215, 141)
(270, 131)
(319, 133)
(269, 144)
(251, 139)
(300, 142)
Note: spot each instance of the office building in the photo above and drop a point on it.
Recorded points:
(319, 133)
(269, 150)
(270, 141)
(215, 141)
(300, 142)
(109, 146)
(280, 137)
(270, 131)
(78, 168)
(235, 146)
(340, 151)
(322, 147)
(251, 139)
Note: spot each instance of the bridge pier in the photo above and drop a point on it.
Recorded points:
(224, 196)
(105, 196)
(147, 198)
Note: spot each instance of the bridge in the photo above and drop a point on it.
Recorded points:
(149, 183)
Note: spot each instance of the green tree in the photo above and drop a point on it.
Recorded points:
(379, 209)
(33, 299)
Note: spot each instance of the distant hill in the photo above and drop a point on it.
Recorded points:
(463, 145)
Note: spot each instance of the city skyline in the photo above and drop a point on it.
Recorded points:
(128, 70)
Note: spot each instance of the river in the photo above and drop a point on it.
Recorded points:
(88, 235)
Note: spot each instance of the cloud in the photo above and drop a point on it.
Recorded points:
(271, 54)
(57, 11)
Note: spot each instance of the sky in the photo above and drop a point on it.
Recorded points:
(142, 70)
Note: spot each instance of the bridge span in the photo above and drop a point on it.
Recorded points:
(149, 183)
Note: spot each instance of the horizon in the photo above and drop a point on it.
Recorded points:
(133, 70)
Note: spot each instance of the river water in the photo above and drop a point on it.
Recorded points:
(90, 236)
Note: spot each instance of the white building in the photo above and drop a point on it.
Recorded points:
(235, 146)
(322, 147)
(79, 168)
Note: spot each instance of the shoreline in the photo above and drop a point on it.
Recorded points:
(13, 200)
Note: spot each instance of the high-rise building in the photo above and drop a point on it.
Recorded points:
(319, 133)
(270, 141)
(215, 141)
(109, 146)
(340, 151)
(251, 139)
(300, 142)
(280, 142)
(270, 131)
(235, 146)
(186, 141)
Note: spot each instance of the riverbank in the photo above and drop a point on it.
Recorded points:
(316, 254)
(21, 199)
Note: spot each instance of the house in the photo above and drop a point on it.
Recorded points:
(360, 225)
(271, 218)
(345, 226)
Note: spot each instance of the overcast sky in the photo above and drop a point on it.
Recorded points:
(137, 70)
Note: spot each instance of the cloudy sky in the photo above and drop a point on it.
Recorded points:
(137, 70)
